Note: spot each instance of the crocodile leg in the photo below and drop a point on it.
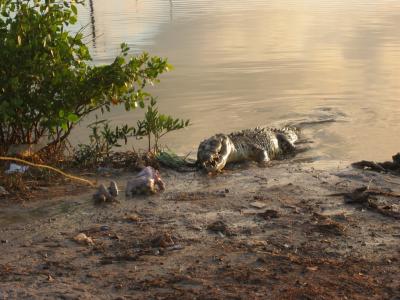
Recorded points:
(285, 145)
(260, 155)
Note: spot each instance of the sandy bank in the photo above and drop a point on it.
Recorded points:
(249, 233)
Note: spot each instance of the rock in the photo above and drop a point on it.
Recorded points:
(82, 238)
(220, 227)
(163, 240)
(104, 228)
(132, 218)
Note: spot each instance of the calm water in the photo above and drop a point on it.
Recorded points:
(240, 64)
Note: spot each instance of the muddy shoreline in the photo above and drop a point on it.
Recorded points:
(249, 233)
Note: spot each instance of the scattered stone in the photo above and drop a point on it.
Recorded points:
(82, 238)
(330, 227)
(220, 227)
(133, 218)
(105, 228)
(146, 182)
(164, 240)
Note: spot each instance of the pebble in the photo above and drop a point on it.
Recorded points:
(82, 238)
(104, 228)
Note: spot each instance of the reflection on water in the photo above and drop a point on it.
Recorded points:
(243, 63)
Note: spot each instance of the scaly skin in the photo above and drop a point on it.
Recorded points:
(260, 144)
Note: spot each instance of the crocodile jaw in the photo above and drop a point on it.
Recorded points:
(214, 166)
(214, 153)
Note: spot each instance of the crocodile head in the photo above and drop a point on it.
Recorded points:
(213, 153)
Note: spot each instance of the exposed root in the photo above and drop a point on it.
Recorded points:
(86, 181)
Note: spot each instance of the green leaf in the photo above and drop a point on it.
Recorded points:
(74, 9)
(64, 126)
(73, 20)
(72, 118)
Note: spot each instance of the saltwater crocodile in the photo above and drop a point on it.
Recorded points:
(260, 144)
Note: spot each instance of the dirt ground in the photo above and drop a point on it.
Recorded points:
(280, 232)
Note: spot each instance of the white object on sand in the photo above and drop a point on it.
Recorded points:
(14, 168)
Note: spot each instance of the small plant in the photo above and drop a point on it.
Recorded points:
(102, 140)
(157, 125)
